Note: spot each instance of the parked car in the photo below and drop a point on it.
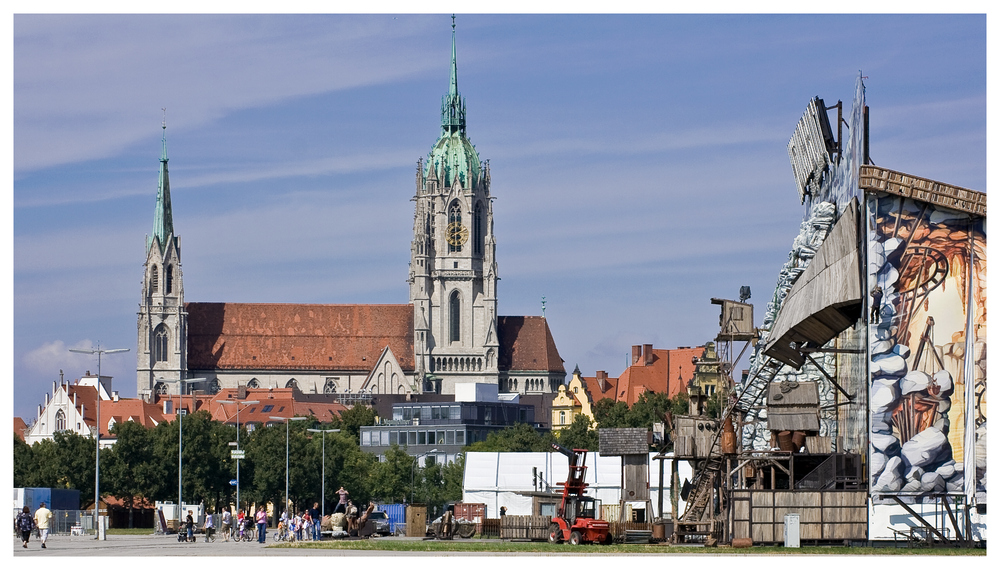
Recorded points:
(381, 523)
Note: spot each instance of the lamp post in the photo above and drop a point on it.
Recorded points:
(415, 459)
(97, 461)
(238, 404)
(180, 438)
(323, 480)
(287, 422)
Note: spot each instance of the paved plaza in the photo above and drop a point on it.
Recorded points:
(160, 545)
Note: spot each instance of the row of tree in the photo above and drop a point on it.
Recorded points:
(143, 463)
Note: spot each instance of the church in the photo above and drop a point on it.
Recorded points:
(449, 332)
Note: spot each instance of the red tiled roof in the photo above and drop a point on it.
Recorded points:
(86, 396)
(526, 344)
(669, 373)
(242, 336)
(130, 409)
(20, 428)
(283, 402)
(595, 390)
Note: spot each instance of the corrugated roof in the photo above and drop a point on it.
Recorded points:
(241, 336)
(526, 344)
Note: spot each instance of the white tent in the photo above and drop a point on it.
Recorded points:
(496, 479)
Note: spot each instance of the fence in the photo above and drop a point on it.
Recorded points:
(516, 527)
(491, 528)
(71, 522)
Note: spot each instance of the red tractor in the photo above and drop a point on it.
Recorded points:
(576, 520)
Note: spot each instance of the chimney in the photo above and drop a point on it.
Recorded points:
(114, 396)
(647, 354)
(636, 353)
(602, 379)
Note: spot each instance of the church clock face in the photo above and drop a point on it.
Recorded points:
(457, 234)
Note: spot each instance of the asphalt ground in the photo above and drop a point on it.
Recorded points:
(160, 545)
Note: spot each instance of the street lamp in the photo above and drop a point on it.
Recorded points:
(323, 484)
(180, 438)
(287, 421)
(97, 462)
(415, 460)
(238, 404)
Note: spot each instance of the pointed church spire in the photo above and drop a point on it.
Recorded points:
(163, 219)
(453, 106)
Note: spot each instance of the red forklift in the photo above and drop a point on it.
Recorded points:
(576, 520)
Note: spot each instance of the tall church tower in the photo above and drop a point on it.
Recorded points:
(162, 327)
(453, 270)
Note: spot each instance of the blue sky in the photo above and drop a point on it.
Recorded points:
(639, 162)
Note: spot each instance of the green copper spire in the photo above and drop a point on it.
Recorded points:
(453, 158)
(163, 219)
(453, 106)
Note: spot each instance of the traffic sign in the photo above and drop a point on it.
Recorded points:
(238, 454)
(232, 482)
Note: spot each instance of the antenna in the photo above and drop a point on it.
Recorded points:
(543, 305)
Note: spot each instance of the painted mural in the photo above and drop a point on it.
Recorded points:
(927, 286)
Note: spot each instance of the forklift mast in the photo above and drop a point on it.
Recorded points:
(574, 484)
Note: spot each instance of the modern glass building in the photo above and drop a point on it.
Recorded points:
(437, 431)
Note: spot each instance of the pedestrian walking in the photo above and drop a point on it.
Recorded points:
(314, 518)
(189, 524)
(209, 526)
(42, 518)
(24, 525)
(227, 523)
(342, 504)
(261, 524)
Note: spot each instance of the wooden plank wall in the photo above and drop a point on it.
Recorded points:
(823, 515)
(519, 527)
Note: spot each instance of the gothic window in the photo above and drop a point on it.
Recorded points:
(214, 386)
(292, 383)
(154, 280)
(477, 230)
(454, 217)
(454, 312)
(160, 388)
(168, 275)
(330, 387)
(253, 383)
(161, 344)
(60, 420)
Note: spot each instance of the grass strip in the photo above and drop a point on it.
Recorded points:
(545, 548)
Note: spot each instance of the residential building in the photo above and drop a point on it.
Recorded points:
(571, 401)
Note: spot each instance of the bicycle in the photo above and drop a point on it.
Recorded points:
(283, 534)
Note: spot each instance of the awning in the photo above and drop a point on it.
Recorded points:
(826, 299)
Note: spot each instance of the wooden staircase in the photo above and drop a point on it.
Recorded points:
(699, 516)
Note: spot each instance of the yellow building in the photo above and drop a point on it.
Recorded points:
(571, 400)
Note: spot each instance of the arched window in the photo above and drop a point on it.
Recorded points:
(477, 230)
(154, 280)
(562, 418)
(161, 344)
(253, 383)
(293, 383)
(330, 387)
(455, 315)
(214, 386)
(160, 388)
(60, 420)
(454, 217)
(169, 276)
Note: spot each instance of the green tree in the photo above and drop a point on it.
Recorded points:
(352, 419)
(25, 465)
(713, 407)
(390, 481)
(679, 404)
(518, 437)
(128, 470)
(579, 435)
(650, 408)
(611, 414)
